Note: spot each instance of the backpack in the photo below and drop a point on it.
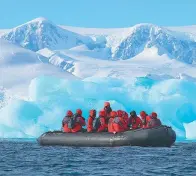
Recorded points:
(96, 124)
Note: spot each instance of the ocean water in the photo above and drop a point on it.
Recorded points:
(24, 157)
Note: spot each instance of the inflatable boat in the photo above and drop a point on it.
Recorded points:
(162, 136)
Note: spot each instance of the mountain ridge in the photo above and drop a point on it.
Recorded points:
(122, 44)
(41, 33)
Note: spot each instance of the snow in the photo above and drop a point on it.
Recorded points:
(93, 31)
(187, 29)
(11, 54)
(2, 31)
(190, 130)
(146, 62)
(46, 52)
(144, 67)
(21, 65)
(109, 31)
(39, 20)
(58, 59)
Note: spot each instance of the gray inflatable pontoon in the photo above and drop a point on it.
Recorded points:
(161, 136)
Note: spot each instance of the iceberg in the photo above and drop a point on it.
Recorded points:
(50, 98)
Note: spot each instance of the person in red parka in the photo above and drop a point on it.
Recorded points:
(144, 116)
(108, 110)
(92, 115)
(153, 121)
(113, 114)
(124, 118)
(79, 121)
(134, 121)
(66, 121)
(100, 124)
(79, 114)
(116, 124)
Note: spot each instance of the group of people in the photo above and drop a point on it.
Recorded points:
(108, 120)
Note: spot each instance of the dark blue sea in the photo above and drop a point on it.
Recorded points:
(23, 157)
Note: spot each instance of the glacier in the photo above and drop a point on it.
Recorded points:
(50, 97)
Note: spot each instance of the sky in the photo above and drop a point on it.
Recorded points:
(99, 13)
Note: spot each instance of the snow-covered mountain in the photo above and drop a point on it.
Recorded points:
(176, 45)
(41, 33)
(177, 42)
(187, 29)
(114, 44)
(102, 51)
